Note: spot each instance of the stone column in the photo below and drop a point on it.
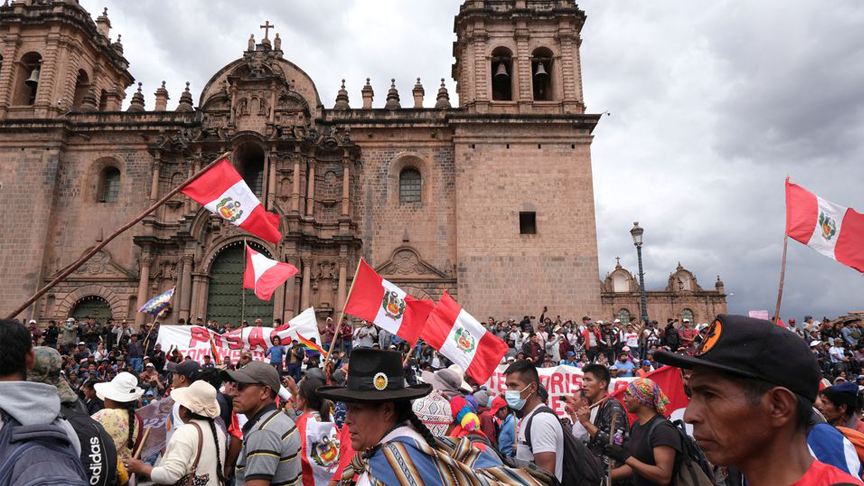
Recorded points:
(295, 184)
(291, 292)
(200, 287)
(307, 284)
(346, 185)
(310, 191)
(143, 285)
(271, 181)
(343, 280)
(186, 287)
(154, 184)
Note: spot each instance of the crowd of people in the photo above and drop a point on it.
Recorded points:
(764, 400)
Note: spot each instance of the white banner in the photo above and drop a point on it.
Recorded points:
(559, 381)
(195, 341)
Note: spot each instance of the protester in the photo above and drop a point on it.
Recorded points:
(841, 406)
(196, 448)
(654, 442)
(547, 436)
(276, 354)
(185, 373)
(313, 409)
(753, 386)
(507, 429)
(271, 446)
(604, 411)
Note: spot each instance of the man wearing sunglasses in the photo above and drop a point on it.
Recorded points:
(271, 443)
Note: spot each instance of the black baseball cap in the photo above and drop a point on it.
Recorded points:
(188, 368)
(754, 348)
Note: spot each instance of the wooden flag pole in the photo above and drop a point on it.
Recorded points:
(71, 268)
(243, 287)
(341, 316)
(782, 272)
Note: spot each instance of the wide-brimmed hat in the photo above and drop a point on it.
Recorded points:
(374, 376)
(199, 398)
(46, 369)
(445, 381)
(123, 388)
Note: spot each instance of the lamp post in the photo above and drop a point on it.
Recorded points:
(636, 233)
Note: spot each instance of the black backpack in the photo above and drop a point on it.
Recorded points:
(37, 455)
(579, 467)
(98, 453)
(691, 465)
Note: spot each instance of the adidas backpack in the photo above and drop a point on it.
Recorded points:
(38, 455)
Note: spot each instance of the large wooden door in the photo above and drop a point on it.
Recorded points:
(95, 307)
(225, 294)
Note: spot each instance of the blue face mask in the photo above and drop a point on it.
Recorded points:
(514, 398)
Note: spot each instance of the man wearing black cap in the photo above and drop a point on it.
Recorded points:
(185, 373)
(753, 386)
(271, 443)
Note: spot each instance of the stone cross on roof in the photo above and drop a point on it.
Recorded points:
(267, 26)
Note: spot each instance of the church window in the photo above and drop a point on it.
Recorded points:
(624, 316)
(250, 165)
(110, 185)
(502, 74)
(541, 74)
(528, 223)
(82, 84)
(27, 79)
(687, 314)
(410, 183)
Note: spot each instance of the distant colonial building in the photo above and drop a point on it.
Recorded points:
(682, 298)
(490, 200)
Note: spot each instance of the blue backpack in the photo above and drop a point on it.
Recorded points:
(38, 455)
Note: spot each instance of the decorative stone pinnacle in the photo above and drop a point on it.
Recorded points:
(443, 100)
(393, 97)
(342, 99)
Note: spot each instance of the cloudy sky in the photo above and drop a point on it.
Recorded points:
(712, 104)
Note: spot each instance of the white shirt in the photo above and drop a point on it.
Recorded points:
(632, 339)
(547, 435)
(182, 449)
(403, 431)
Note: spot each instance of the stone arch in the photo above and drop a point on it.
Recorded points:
(82, 85)
(95, 183)
(501, 59)
(23, 93)
(682, 280)
(407, 160)
(543, 87)
(220, 245)
(64, 308)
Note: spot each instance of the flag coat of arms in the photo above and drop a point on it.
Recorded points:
(222, 191)
(376, 300)
(264, 275)
(320, 450)
(833, 230)
(463, 340)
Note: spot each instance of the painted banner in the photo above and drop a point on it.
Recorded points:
(198, 341)
(759, 314)
(565, 380)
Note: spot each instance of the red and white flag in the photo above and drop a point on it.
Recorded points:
(376, 300)
(264, 275)
(463, 340)
(320, 451)
(222, 191)
(834, 231)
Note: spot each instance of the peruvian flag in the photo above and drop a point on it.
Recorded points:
(463, 340)
(222, 191)
(264, 275)
(670, 382)
(320, 451)
(834, 231)
(376, 300)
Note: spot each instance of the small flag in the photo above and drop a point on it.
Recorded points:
(463, 340)
(311, 345)
(833, 230)
(264, 275)
(157, 304)
(222, 191)
(376, 300)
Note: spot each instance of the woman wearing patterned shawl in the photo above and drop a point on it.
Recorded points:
(394, 448)
(654, 442)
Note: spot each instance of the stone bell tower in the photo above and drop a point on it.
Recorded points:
(519, 56)
(55, 59)
(526, 232)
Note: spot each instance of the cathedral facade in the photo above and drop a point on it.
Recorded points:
(490, 199)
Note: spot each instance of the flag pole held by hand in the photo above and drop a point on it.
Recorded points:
(341, 316)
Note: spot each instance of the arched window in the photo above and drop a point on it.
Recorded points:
(109, 185)
(27, 79)
(82, 84)
(687, 314)
(250, 165)
(409, 185)
(103, 100)
(502, 74)
(541, 74)
(624, 316)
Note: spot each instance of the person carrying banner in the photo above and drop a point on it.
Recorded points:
(753, 386)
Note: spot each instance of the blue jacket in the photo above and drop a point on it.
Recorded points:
(507, 437)
(276, 353)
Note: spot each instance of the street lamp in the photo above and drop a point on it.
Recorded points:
(636, 233)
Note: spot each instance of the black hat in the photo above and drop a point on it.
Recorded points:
(754, 348)
(374, 376)
(188, 368)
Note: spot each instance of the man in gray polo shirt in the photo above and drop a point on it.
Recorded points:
(270, 455)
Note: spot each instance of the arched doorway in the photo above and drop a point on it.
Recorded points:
(92, 306)
(225, 295)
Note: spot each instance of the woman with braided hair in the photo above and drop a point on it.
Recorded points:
(196, 448)
(393, 445)
(118, 417)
